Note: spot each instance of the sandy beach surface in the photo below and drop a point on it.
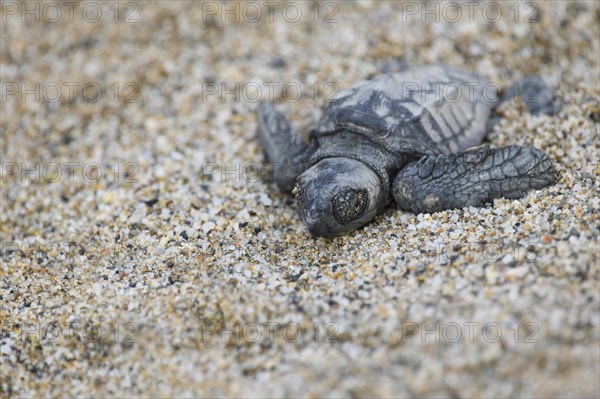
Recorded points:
(142, 256)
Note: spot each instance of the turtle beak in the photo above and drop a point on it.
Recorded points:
(315, 209)
(314, 213)
(317, 229)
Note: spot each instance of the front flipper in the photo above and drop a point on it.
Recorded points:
(283, 147)
(471, 178)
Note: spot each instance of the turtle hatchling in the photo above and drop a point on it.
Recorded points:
(392, 138)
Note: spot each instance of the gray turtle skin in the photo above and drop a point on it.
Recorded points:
(407, 137)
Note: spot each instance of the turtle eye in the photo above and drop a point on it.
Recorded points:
(349, 204)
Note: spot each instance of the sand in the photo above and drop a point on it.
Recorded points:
(141, 256)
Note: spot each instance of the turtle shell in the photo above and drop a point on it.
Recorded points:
(425, 110)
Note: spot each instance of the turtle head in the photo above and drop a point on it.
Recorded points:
(338, 195)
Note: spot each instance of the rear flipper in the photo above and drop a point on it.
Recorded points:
(538, 97)
(471, 178)
(283, 147)
(535, 93)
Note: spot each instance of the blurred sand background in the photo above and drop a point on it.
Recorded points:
(131, 266)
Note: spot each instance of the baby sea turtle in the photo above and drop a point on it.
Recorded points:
(407, 137)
